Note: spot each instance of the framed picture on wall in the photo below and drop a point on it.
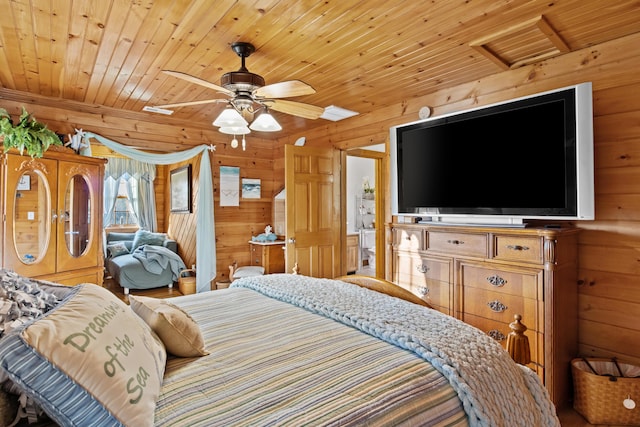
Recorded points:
(250, 188)
(181, 190)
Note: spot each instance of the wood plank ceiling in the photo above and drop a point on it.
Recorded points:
(359, 55)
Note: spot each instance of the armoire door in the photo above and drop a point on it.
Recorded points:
(77, 216)
(31, 219)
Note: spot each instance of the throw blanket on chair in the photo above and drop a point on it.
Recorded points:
(493, 389)
(156, 259)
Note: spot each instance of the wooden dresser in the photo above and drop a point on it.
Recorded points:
(485, 275)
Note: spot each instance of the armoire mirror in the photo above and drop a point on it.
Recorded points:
(31, 213)
(77, 215)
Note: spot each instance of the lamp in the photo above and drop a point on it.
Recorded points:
(230, 117)
(235, 130)
(265, 123)
(232, 122)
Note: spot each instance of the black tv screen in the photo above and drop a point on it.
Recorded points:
(526, 158)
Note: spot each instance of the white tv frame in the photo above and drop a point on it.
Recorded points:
(585, 191)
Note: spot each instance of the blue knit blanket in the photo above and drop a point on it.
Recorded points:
(156, 259)
(493, 389)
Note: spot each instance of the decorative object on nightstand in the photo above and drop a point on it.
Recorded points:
(267, 236)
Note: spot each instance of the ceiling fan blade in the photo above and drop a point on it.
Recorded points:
(186, 104)
(306, 111)
(197, 81)
(284, 90)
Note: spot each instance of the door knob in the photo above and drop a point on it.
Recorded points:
(292, 240)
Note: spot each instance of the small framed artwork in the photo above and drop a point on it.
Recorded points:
(24, 183)
(181, 190)
(250, 188)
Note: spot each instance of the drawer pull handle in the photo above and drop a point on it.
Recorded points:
(456, 242)
(423, 291)
(422, 268)
(497, 306)
(518, 248)
(496, 281)
(496, 335)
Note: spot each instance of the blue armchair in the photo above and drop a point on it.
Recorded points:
(142, 260)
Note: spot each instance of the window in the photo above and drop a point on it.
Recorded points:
(123, 213)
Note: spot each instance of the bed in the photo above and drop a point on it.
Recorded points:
(277, 349)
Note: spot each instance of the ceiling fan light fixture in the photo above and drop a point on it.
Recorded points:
(265, 122)
(235, 130)
(230, 118)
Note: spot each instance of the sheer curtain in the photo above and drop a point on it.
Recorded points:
(142, 199)
(205, 226)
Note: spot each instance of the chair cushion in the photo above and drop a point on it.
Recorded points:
(130, 273)
(117, 249)
(248, 271)
(144, 237)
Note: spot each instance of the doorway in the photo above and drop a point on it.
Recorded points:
(364, 213)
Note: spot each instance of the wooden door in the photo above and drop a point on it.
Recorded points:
(313, 227)
(30, 215)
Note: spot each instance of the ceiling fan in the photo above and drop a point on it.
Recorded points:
(247, 93)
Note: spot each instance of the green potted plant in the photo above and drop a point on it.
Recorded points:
(367, 190)
(27, 135)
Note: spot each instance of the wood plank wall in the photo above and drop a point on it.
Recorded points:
(234, 225)
(609, 247)
(609, 289)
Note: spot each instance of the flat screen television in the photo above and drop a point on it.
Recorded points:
(526, 158)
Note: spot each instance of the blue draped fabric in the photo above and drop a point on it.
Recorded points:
(205, 229)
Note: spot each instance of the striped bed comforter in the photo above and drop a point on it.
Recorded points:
(275, 364)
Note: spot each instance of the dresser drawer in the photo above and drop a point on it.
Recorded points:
(408, 239)
(518, 248)
(460, 244)
(436, 293)
(519, 282)
(501, 307)
(416, 269)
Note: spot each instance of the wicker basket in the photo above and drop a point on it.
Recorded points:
(601, 387)
(187, 284)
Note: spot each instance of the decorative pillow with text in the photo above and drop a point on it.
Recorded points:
(90, 358)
